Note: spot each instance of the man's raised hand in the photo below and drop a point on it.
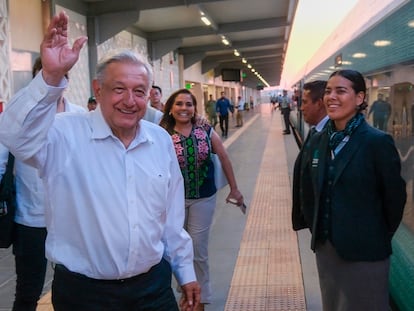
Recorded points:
(58, 57)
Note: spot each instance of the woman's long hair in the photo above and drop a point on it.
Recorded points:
(167, 120)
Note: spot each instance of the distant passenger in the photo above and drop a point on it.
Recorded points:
(285, 104)
(353, 200)
(92, 103)
(211, 111)
(381, 110)
(314, 113)
(251, 102)
(155, 98)
(240, 108)
(223, 107)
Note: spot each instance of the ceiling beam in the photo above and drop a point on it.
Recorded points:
(235, 44)
(246, 25)
(224, 28)
(103, 7)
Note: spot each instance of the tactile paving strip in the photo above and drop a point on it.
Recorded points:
(45, 303)
(268, 275)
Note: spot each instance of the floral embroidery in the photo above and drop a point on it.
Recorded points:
(200, 133)
(193, 155)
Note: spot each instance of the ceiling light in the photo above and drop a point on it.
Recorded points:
(236, 53)
(253, 70)
(249, 66)
(411, 24)
(359, 55)
(205, 20)
(244, 61)
(224, 40)
(382, 42)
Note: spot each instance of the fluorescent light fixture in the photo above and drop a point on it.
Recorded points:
(381, 43)
(224, 40)
(205, 20)
(359, 55)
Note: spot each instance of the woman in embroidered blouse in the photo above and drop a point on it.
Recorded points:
(193, 145)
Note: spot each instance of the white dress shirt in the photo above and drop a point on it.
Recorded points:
(112, 212)
(30, 195)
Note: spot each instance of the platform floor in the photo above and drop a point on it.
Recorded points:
(257, 262)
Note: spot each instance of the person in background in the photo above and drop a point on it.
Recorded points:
(223, 107)
(354, 200)
(152, 115)
(240, 108)
(130, 237)
(285, 103)
(251, 102)
(274, 101)
(155, 98)
(193, 145)
(381, 110)
(211, 111)
(92, 103)
(30, 227)
(314, 113)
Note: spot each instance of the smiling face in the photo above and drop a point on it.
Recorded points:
(183, 108)
(123, 95)
(341, 101)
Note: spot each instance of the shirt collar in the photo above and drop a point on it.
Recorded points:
(101, 130)
(319, 127)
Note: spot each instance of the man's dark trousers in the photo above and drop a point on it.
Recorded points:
(29, 252)
(286, 115)
(224, 124)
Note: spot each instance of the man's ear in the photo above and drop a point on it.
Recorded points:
(320, 103)
(96, 89)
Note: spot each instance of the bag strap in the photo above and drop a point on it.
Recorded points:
(210, 132)
(7, 180)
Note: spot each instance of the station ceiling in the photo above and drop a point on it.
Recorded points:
(259, 30)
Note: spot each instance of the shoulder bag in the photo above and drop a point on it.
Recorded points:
(7, 205)
(219, 177)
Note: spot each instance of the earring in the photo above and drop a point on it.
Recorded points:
(170, 114)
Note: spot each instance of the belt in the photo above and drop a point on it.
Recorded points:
(62, 269)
